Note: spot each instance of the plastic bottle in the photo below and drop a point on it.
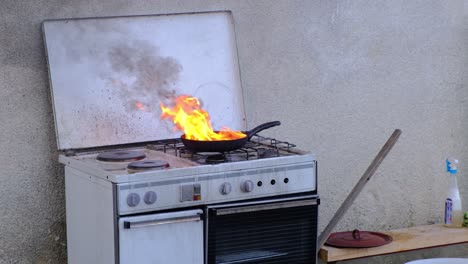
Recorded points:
(453, 208)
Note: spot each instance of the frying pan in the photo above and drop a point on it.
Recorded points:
(225, 145)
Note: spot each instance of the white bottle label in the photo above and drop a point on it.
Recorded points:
(448, 211)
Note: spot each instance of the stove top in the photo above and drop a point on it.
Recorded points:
(171, 154)
(266, 166)
(160, 160)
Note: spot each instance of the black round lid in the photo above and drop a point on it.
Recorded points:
(121, 156)
(148, 165)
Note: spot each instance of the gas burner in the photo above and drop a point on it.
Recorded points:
(267, 153)
(216, 158)
(121, 156)
(147, 165)
(185, 153)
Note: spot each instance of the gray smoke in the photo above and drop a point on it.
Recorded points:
(142, 75)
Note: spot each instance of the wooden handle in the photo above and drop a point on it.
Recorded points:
(359, 186)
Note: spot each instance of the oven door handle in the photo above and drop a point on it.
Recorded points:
(262, 207)
(166, 221)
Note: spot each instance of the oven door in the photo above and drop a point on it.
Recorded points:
(281, 231)
(164, 238)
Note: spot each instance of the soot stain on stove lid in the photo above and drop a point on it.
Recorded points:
(133, 69)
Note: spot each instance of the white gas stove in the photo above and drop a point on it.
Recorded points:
(134, 192)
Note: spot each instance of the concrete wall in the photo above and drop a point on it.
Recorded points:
(340, 75)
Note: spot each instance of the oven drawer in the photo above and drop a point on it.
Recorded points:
(266, 232)
(164, 238)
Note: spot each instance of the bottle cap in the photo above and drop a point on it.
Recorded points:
(451, 165)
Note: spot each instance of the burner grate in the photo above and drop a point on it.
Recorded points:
(258, 147)
(280, 145)
(170, 146)
(247, 152)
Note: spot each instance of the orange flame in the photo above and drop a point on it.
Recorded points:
(190, 118)
(140, 106)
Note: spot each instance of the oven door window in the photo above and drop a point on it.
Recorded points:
(163, 238)
(280, 232)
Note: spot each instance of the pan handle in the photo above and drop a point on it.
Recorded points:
(261, 127)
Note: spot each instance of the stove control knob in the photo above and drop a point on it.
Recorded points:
(133, 199)
(225, 188)
(247, 186)
(150, 197)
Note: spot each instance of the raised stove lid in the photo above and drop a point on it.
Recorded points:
(108, 76)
